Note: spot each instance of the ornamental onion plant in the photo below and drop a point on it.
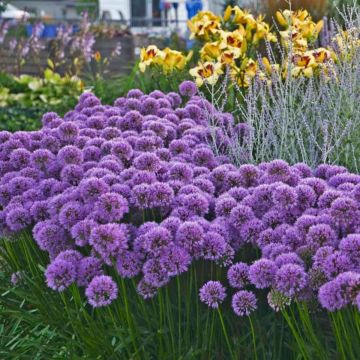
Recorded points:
(135, 239)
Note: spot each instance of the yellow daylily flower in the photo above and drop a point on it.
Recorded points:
(321, 55)
(148, 55)
(208, 72)
(210, 51)
(268, 67)
(233, 39)
(228, 56)
(227, 13)
(203, 25)
(173, 60)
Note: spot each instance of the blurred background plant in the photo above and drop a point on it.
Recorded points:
(24, 99)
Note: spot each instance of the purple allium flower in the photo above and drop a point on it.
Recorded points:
(172, 224)
(337, 293)
(91, 188)
(71, 213)
(157, 239)
(70, 155)
(187, 88)
(344, 211)
(224, 205)
(101, 291)
(277, 170)
(20, 158)
(146, 290)
(182, 172)
(109, 240)
(239, 215)
(336, 263)
(72, 174)
(71, 256)
(147, 161)
(249, 175)
(142, 196)
(128, 264)
(238, 275)
(88, 268)
(290, 279)
(111, 207)
(41, 158)
(350, 246)
(161, 194)
(212, 294)
(60, 274)
(213, 246)
(318, 185)
(327, 198)
(68, 131)
(285, 196)
(244, 303)
(190, 235)
(81, 231)
(135, 93)
(18, 219)
(49, 235)
(288, 258)
(321, 235)
(196, 203)
(262, 273)
(154, 273)
(175, 260)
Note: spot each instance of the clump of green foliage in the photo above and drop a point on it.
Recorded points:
(24, 99)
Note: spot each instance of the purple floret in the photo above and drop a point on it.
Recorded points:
(101, 291)
(238, 275)
(60, 274)
(290, 279)
(262, 273)
(212, 294)
(244, 303)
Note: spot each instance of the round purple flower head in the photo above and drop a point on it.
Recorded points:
(187, 88)
(244, 303)
(212, 294)
(88, 268)
(238, 275)
(146, 290)
(111, 207)
(101, 291)
(157, 239)
(70, 155)
(128, 264)
(154, 273)
(337, 293)
(214, 246)
(239, 215)
(175, 260)
(344, 211)
(290, 279)
(60, 274)
(262, 273)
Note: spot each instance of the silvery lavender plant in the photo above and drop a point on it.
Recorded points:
(312, 120)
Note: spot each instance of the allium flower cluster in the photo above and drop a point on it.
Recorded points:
(137, 186)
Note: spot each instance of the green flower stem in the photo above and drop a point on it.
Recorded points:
(253, 337)
(296, 334)
(338, 336)
(179, 312)
(127, 313)
(225, 333)
(170, 319)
